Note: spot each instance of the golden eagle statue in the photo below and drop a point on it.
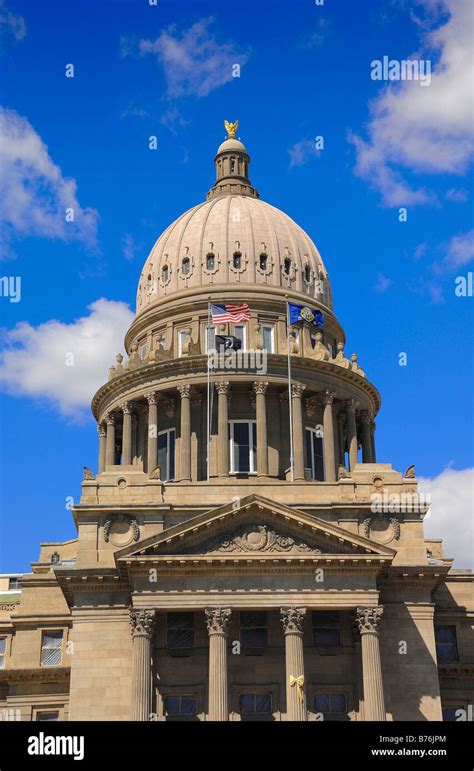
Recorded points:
(231, 128)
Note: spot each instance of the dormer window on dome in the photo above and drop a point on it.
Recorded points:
(185, 266)
(165, 274)
(237, 260)
(287, 266)
(210, 261)
(263, 261)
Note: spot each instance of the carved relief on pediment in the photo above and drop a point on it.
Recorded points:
(255, 538)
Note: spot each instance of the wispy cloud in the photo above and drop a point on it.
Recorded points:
(173, 119)
(194, 61)
(302, 152)
(383, 283)
(129, 247)
(459, 253)
(134, 112)
(450, 515)
(423, 130)
(11, 24)
(37, 200)
(64, 364)
(317, 36)
(457, 195)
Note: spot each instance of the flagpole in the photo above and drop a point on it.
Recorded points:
(289, 391)
(208, 441)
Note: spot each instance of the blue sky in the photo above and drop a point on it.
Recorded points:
(166, 71)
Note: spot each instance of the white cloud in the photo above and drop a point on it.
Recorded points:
(193, 61)
(451, 514)
(459, 252)
(457, 195)
(383, 283)
(173, 119)
(11, 23)
(36, 198)
(302, 152)
(424, 129)
(34, 361)
(129, 247)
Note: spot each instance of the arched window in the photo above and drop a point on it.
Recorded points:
(149, 284)
(263, 261)
(237, 260)
(165, 272)
(185, 266)
(287, 266)
(307, 274)
(210, 261)
(232, 165)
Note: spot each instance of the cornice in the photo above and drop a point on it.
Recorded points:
(38, 674)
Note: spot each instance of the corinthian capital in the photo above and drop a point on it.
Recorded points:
(223, 387)
(217, 620)
(292, 619)
(260, 386)
(110, 418)
(185, 391)
(152, 398)
(142, 622)
(368, 619)
(327, 396)
(297, 389)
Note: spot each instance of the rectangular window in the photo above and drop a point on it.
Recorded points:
(330, 703)
(181, 339)
(253, 629)
(180, 631)
(314, 454)
(14, 583)
(446, 645)
(180, 705)
(240, 332)
(3, 652)
(243, 447)
(143, 349)
(210, 339)
(255, 704)
(47, 717)
(51, 648)
(268, 338)
(326, 629)
(166, 446)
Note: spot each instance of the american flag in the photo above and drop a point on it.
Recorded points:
(221, 314)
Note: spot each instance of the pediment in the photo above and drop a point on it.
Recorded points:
(257, 527)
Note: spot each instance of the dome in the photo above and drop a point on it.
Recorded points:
(233, 239)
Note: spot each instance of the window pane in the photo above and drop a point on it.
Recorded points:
(238, 330)
(321, 702)
(309, 451)
(263, 703)
(172, 705)
(247, 703)
(327, 637)
(210, 339)
(326, 618)
(3, 645)
(171, 446)
(253, 638)
(50, 656)
(180, 638)
(188, 705)
(337, 702)
(268, 339)
(241, 447)
(253, 618)
(180, 620)
(47, 717)
(444, 634)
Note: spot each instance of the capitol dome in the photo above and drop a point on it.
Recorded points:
(233, 238)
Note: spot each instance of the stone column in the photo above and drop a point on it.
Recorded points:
(328, 437)
(142, 624)
(185, 432)
(223, 389)
(366, 438)
(292, 620)
(110, 441)
(368, 620)
(127, 434)
(372, 440)
(298, 442)
(260, 389)
(217, 620)
(152, 400)
(351, 432)
(102, 446)
(341, 419)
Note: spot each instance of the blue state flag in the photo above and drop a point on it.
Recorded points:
(305, 313)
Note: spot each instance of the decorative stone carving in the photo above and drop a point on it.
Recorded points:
(101, 429)
(293, 620)
(142, 622)
(255, 538)
(88, 475)
(121, 530)
(184, 390)
(381, 528)
(223, 387)
(257, 337)
(327, 396)
(368, 619)
(340, 359)
(152, 398)
(156, 473)
(217, 620)
(134, 360)
(320, 352)
(410, 472)
(355, 367)
(343, 473)
(310, 406)
(297, 389)
(110, 418)
(126, 408)
(260, 387)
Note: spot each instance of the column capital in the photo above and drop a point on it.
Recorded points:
(292, 619)
(297, 390)
(142, 622)
(368, 619)
(184, 391)
(351, 404)
(260, 386)
(217, 620)
(152, 398)
(223, 387)
(110, 418)
(126, 408)
(101, 429)
(327, 396)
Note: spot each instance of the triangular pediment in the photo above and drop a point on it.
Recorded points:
(257, 527)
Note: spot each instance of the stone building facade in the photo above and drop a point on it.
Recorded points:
(220, 570)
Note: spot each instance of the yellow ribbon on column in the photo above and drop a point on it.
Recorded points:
(299, 682)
